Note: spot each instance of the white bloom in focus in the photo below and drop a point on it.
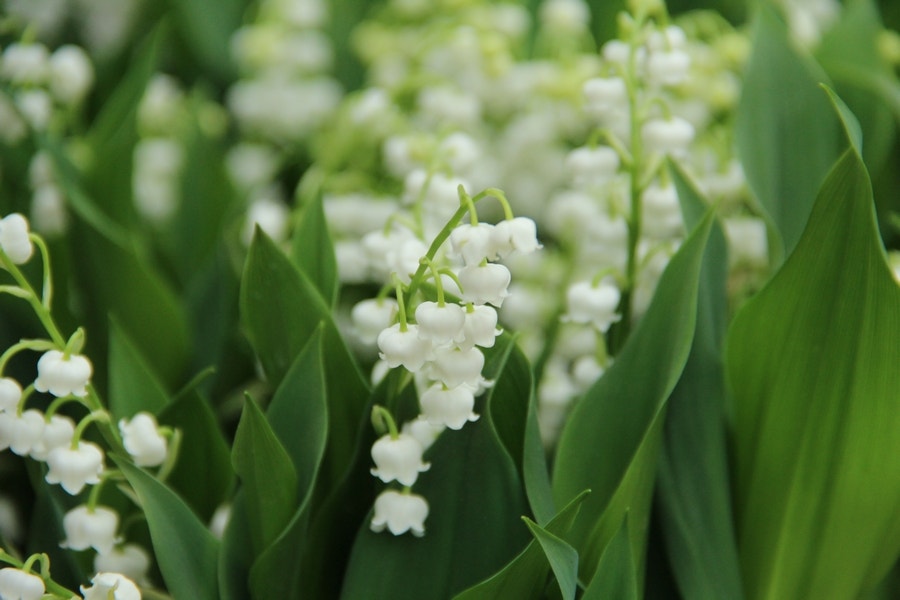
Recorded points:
(403, 347)
(21, 433)
(593, 304)
(111, 586)
(667, 136)
(480, 327)
(517, 234)
(71, 74)
(400, 512)
(440, 324)
(56, 434)
(371, 316)
(86, 528)
(473, 243)
(424, 432)
(10, 394)
(485, 284)
(16, 584)
(454, 367)
(14, 238)
(143, 441)
(74, 469)
(449, 407)
(130, 560)
(62, 376)
(398, 459)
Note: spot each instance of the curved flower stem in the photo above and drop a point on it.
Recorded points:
(42, 312)
(382, 418)
(47, 291)
(37, 345)
(102, 416)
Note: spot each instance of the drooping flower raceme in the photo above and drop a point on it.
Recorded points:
(143, 440)
(74, 468)
(111, 586)
(61, 375)
(87, 527)
(16, 584)
(400, 512)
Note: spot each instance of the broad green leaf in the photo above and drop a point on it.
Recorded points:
(851, 125)
(298, 414)
(206, 27)
(615, 576)
(236, 553)
(693, 483)
(133, 387)
(525, 575)
(312, 250)
(610, 440)
(267, 474)
(812, 363)
(787, 133)
(185, 550)
(475, 496)
(281, 309)
(203, 474)
(562, 557)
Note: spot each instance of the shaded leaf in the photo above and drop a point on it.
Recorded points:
(615, 576)
(133, 387)
(562, 557)
(312, 250)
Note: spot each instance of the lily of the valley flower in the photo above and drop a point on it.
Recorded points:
(398, 459)
(90, 528)
(517, 234)
(111, 586)
(400, 512)
(62, 376)
(58, 432)
(449, 407)
(403, 347)
(10, 394)
(143, 441)
(485, 284)
(440, 324)
(14, 238)
(454, 367)
(20, 433)
(74, 468)
(593, 304)
(371, 316)
(16, 584)
(130, 560)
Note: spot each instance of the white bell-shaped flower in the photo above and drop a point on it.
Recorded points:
(668, 67)
(667, 136)
(661, 212)
(75, 468)
(10, 394)
(111, 586)
(58, 432)
(130, 560)
(25, 63)
(454, 366)
(20, 433)
(62, 376)
(519, 234)
(404, 259)
(400, 512)
(14, 238)
(143, 441)
(593, 304)
(90, 528)
(485, 284)
(71, 74)
(16, 584)
(480, 327)
(604, 95)
(440, 324)
(449, 407)
(426, 433)
(585, 371)
(403, 347)
(473, 243)
(398, 459)
(371, 316)
(592, 165)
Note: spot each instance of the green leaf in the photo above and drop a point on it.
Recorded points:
(851, 124)
(693, 482)
(206, 27)
(787, 133)
(524, 576)
(610, 440)
(267, 474)
(236, 554)
(203, 474)
(812, 363)
(615, 576)
(312, 250)
(133, 387)
(185, 550)
(562, 557)
(281, 310)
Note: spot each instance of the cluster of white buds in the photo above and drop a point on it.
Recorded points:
(22, 584)
(43, 84)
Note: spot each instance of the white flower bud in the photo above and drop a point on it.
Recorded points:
(571, 16)
(398, 459)
(604, 95)
(160, 104)
(440, 324)
(10, 394)
(25, 63)
(111, 586)
(130, 560)
(747, 241)
(16, 584)
(480, 327)
(143, 441)
(461, 151)
(593, 304)
(404, 259)
(352, 261)
(21, 433)
(473, 243)
(671, 38)
(86, 528)
(448, 407)
(56, 434)
(484, 284)
(424, 432)
(517, 234)
(14, 240)
(668, 67)
(36, 106)
(48, 210)
(616, 52)
(270, 215)
(41, 170)
(71, 74)
(371, 316)
(592, 165)
(62, 376)
(454, 367)
(400, 512)
(585, 371)
(661, 212)
(251, 165)
(667, 136)
(74, 469)
(403, 347)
